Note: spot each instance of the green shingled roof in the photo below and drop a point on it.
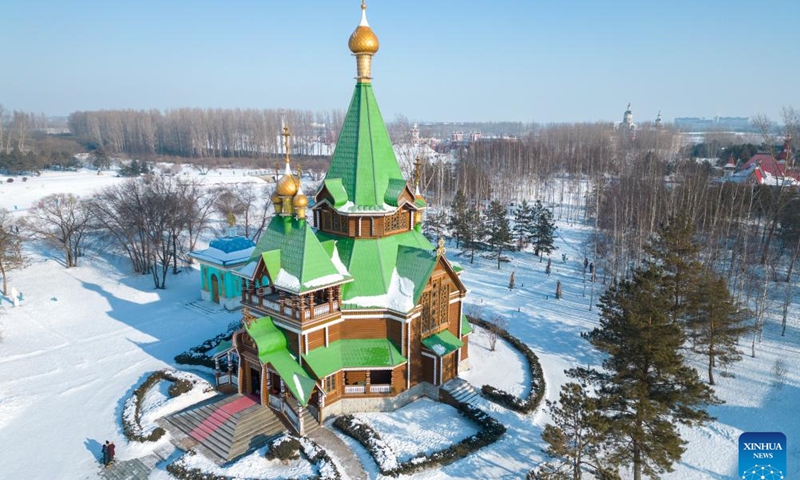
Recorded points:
(442, 343)
(393, 191)
(364, 160)
(466, 327)
(289, 244)
(361, 353)
(337, 191)
(271, 343)
(371, 262)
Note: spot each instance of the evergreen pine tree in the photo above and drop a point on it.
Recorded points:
(645, 387)
(675, 252)
(523, 220)
(458, 217)
(544, 230)
(715, 323)
(498, 230)
(575, 437)
(472, 232)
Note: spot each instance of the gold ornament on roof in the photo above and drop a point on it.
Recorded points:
(440, 247)
(364, 44)
(363, 39)
(288, 184)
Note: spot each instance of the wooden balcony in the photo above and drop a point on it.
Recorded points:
(283, 307)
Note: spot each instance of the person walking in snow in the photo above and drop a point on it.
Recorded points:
(111, 449)
(105, 453)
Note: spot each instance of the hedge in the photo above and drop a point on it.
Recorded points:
(131, 425)
(491, 431)
(316, 455)
(506, 399)
(199, 355)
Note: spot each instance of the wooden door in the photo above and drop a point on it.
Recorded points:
(214, 289)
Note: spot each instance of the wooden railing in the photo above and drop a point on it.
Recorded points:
(380, 388)
(350, 389)
(287, 309)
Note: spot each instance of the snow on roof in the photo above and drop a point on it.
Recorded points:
(220, 257)
(298, 386)
(248, 270)
(327, 279)
(287, 280)
(350, 207)
(337, 262)
(399, 297)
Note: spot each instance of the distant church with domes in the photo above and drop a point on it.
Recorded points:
(361, 312)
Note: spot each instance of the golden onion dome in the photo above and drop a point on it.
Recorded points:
(275, 198)
(300, 200)
(287, 186)
(363, 39)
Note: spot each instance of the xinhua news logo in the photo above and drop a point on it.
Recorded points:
(762, 456)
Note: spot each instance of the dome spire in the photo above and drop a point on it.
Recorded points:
(364, 44)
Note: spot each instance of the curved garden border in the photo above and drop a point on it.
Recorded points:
(504, 398)
(131, 426)
(491, 431)
(313, 452)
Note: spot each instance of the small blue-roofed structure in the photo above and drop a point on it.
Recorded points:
(223, 255)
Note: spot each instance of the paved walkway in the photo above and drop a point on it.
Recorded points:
(136, 469)
(339, 450)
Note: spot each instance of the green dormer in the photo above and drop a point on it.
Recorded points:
(364, 161)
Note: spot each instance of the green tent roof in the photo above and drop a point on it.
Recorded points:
(294, 257)
(364, 160)
(373, 261)
(442, 343)
(360, 353)
(466, 327)
(271, 343)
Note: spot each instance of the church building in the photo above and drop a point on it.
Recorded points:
(360, 311)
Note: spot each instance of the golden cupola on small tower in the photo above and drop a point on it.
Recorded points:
(288, 184)
(364, 44)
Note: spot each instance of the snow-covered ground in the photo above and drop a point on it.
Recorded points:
(85, 337)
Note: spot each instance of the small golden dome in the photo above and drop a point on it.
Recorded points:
(300, 200)
(275, 198)
(287, 186)
(363, 39)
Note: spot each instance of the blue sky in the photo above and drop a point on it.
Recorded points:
(440, 60)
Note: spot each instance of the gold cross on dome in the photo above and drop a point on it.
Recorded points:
(286, 134)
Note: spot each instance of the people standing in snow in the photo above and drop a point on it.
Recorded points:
(111, 449)
(105, 453)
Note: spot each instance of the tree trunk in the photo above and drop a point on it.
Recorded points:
(637, 463)
(3, 274)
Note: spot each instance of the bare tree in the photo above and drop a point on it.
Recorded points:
(10, 247)
(62, 220)
(496, 325)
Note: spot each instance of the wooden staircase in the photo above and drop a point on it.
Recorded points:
(224, 428)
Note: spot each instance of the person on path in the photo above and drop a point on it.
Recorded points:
(105, 453)
(111, 449)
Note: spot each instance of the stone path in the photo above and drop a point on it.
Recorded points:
(341, 452)
(136, 469)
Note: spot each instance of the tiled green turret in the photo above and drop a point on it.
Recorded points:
(364, 159)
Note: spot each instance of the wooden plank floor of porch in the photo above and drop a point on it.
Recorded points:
(223, 427)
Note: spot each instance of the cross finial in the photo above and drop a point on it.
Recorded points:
(440, 247)
(286, 134)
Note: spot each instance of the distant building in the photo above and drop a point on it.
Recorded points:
(223, 256)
